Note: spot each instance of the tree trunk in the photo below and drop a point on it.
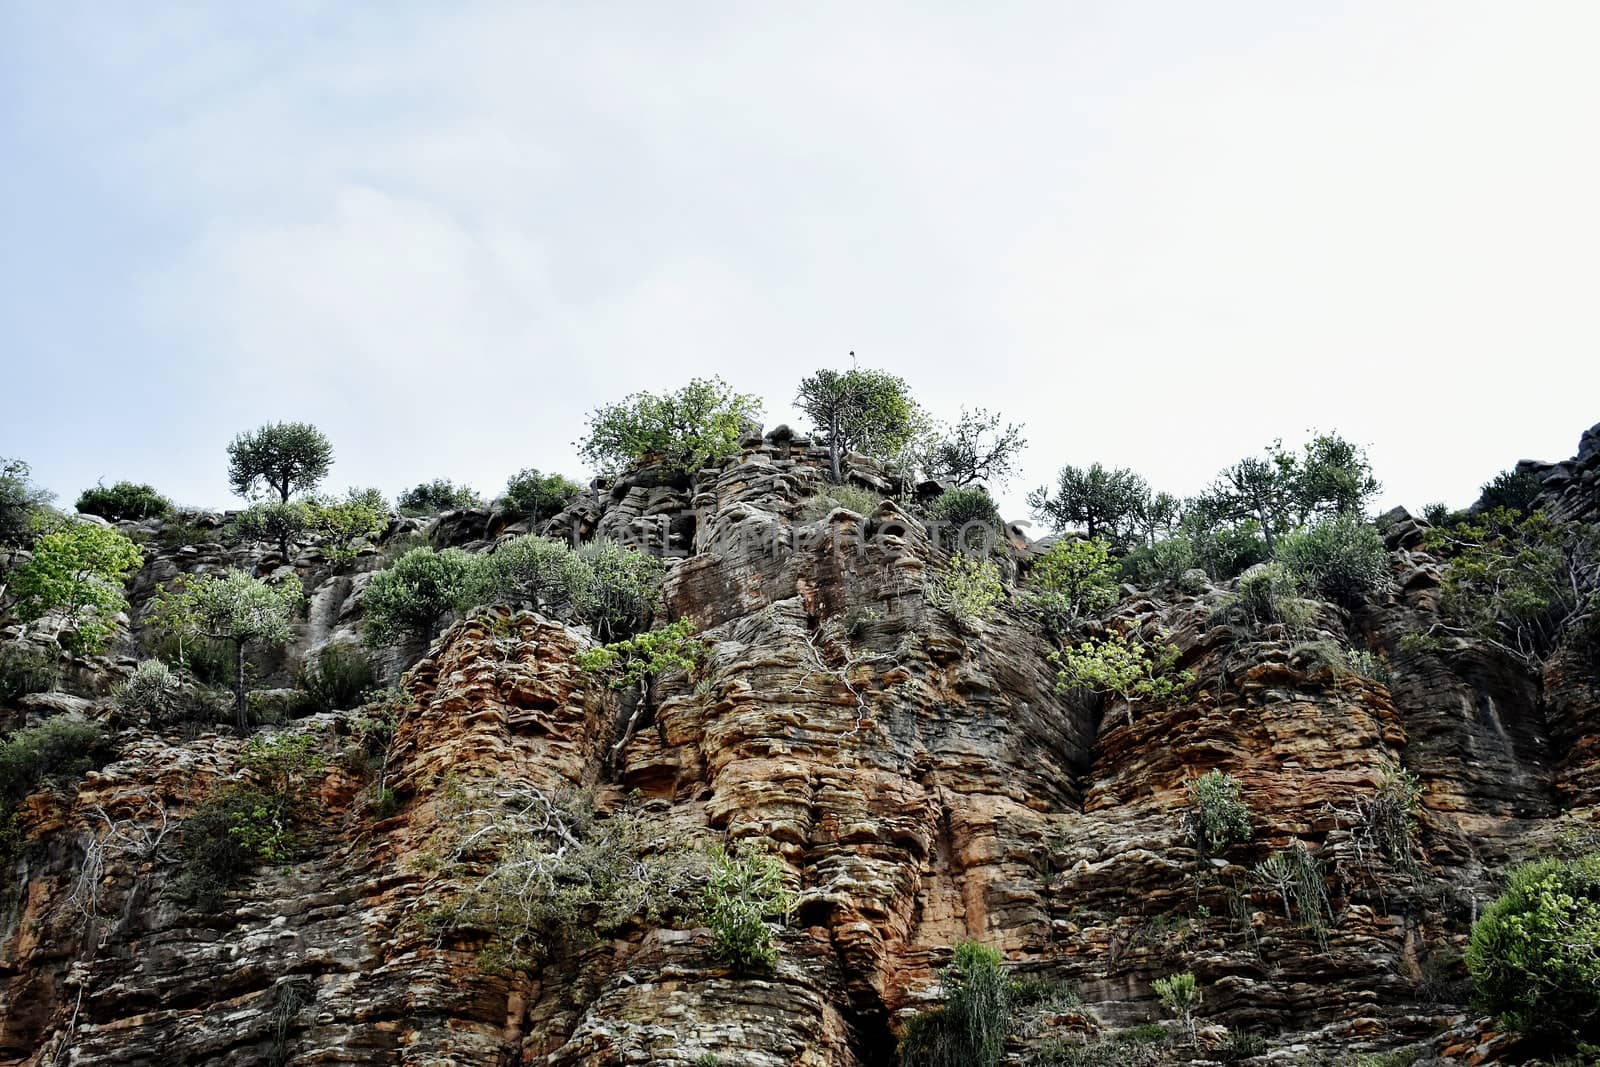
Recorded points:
(241, 706)
(833, 448)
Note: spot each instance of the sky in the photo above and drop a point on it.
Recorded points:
(1160, 235)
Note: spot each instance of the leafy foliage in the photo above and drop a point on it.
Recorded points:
(1535, 953)
(153, 691)
(336, 677)
(1180, 996)
(1217, 815)
(968, 587)
(1123, 665)
(645, 656)
(744, 893)
(274, 522)
(1512, 490)
(958, 507)
(556, 876)
(441, 494)
(1100, 502)
(288, 457)
(859, 410)
(79, 569)
(231, 607)
(344, 525)
(541, 573)
(970, 1029)
(1163, 563)
(1524, 584)
(624, 594)
(124, 500)
(685, 430)
(24, 671)
(20, 502)
(534, 496)
(57, 751)
(1342, 559)
(1074, 579)
(411, 597)
(978, 448)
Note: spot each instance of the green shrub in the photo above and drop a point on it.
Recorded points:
(1535, 953)
(124, 500)
(1123, 665)
(412, 596)
(58, 751)
(970, 1029)
(1342, 559)
(1074, 579)
(24, 671)
(336, 677)
(152, 691)
(441, 494)
(625, 593)
(210, 662)
(968, 587)
(645, 656)
(1267, 595)
(850, 497)
(1510, 489)
(1217, 815)
(1180, 997)
(556, 876)
(282, 524)
(743, 894)
(958, 507)
(685, 430)
(21, 503)
(538, 572)
(343, 526)
(1225, 552)
(1386, 821)
(534, 496)
(1163, 563)
(81, 570)
(1296, 876)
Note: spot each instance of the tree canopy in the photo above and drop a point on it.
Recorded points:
(684, 429)
(859, 410)
(287, 457)
(1101, 502)
(80, 569)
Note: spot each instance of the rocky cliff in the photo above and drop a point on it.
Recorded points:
(923, 782)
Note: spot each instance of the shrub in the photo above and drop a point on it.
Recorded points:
(1342, 559)
(288, 457)
(344, 525)
(970, 1029)
(544, 574)
(850, 497)
(441, 494)
(1180, 996)
(1225, 552)
(1268, 595)
(1070, 581)
(958, 507)
(743, 894)
(1163, 563)
(1296, 876)
(124, 500)
(1122, 665)
(412, 596)
(685, 430)
(24, 671)
(234, 608)
(1217, 815)
(276, 523)
(152, 690)
(1516, 490)
(1535, 953)
(534, 496)
(968, 587)
(79, 569)
(56, 752)
(625, 592)
(1386, 821)
(336, 677)
(557, 876)
(644, 657)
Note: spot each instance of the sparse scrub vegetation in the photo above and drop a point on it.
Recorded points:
(1217, 816)
(744, 895)
(968, 587)
(336, 677)
(25, 670)
(969, 1029)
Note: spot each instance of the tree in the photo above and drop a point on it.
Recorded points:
(289, 457)
(1125, 666)
(639, 661)
(542, 573)
(1258, 490)
(441, 494)
(343, 525)
(1516, 490)
(81, 570)
(625, 593)
(685, 430)
(1331, 477)
(1102, 502)
(20, 502)
(976, 449)
(534, 496)
(234, 608)
(866, 411)
(278, 523)
(124, 500)
(414, 595)
(1073, 579)
(1342, 559)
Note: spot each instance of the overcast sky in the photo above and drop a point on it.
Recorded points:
(1160, 235)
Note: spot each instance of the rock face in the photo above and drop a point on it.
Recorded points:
(923, 782)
